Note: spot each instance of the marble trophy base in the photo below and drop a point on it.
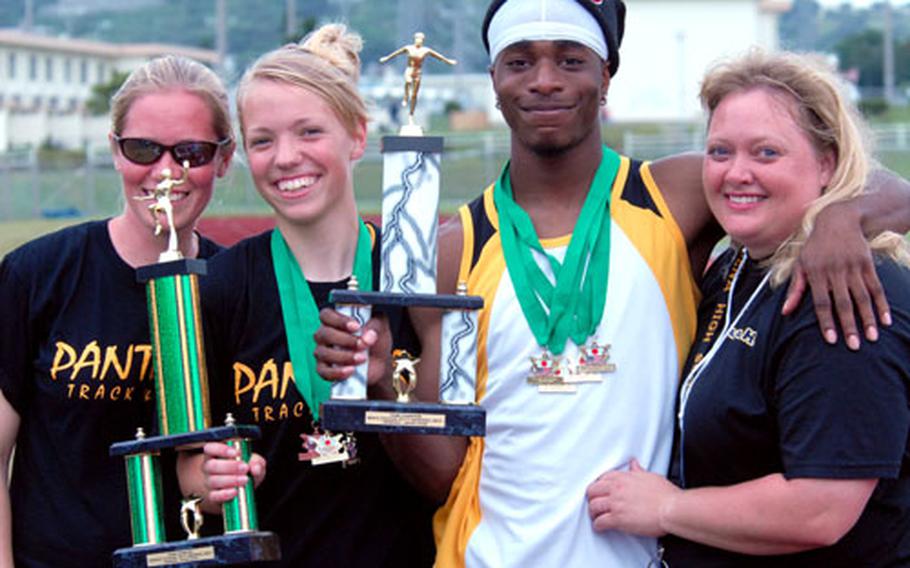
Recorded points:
(404, 418)
(342, 415)
(223, 550)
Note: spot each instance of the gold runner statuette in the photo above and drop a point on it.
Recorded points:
(416, 53)
(162, 206)
(404, 374)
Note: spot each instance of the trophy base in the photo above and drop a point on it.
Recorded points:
(221, 550)
(382, 300)
(404, 418)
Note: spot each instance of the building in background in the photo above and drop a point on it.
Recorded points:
(669, 44)
(46, 81)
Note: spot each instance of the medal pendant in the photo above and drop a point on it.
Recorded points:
(558, 388)
(583, 377)
(322, 448)
(546, 370)
(593, 360)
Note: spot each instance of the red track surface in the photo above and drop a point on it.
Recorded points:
(228, 230)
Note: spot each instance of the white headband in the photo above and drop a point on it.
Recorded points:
(550, 20)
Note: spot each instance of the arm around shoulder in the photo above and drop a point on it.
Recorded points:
(680, 183)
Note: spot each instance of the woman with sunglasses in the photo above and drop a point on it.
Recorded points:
(75, 372)
(304, 127)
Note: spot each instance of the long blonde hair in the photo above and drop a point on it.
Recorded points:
(830, 121)
(326, 62)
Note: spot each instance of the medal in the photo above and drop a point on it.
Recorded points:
(568, 305)
(550, 374)
(546, 369)
(322, 448)
(593, 361)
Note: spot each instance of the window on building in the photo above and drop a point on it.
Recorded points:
(101, 71)
(83, 72)
(33, 67)
(53, 102)
(49, 69)
(68, 70)
(36, 102)
(11, 65)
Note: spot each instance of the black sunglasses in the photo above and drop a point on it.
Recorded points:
(145, 152)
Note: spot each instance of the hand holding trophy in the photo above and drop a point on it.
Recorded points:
(181, 389)
(410, 202)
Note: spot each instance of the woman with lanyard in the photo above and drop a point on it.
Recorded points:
(74, 364)
(304, 127)
(789, 451)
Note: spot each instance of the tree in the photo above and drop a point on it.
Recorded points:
(100, 100)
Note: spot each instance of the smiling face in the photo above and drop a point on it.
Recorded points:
(761, 170)
(300, 155)
(549, 93)
(168, 117)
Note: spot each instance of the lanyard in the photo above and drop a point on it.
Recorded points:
(697, 369)
(570, 306)
(301, 315)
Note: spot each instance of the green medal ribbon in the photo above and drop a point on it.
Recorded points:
(572, 307)
(301, 315)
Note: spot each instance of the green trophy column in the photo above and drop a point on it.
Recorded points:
(240, 512)
(181, 383)
(143, 478)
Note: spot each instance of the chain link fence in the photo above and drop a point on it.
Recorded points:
(45, 184)
(35, 186)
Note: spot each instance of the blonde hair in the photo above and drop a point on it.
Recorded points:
(326, 62)
(172, 72)
(828, 119)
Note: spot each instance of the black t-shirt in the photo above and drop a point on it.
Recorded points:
(75, 363)
(777, 398)
(326, 515)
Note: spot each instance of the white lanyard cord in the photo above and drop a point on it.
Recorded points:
(696, 371)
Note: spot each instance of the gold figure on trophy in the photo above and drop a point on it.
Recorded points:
(404, 374)
(416, 52)
(162, 206)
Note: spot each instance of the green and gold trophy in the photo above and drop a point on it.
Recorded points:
(410, 203)
(181, 391)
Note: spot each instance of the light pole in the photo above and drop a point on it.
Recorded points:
(221, 36)
(888, 55)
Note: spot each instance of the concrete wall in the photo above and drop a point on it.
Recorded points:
(668, 46)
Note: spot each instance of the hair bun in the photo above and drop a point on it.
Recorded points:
(338, 46)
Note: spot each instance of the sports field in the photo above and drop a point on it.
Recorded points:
(236, 210)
